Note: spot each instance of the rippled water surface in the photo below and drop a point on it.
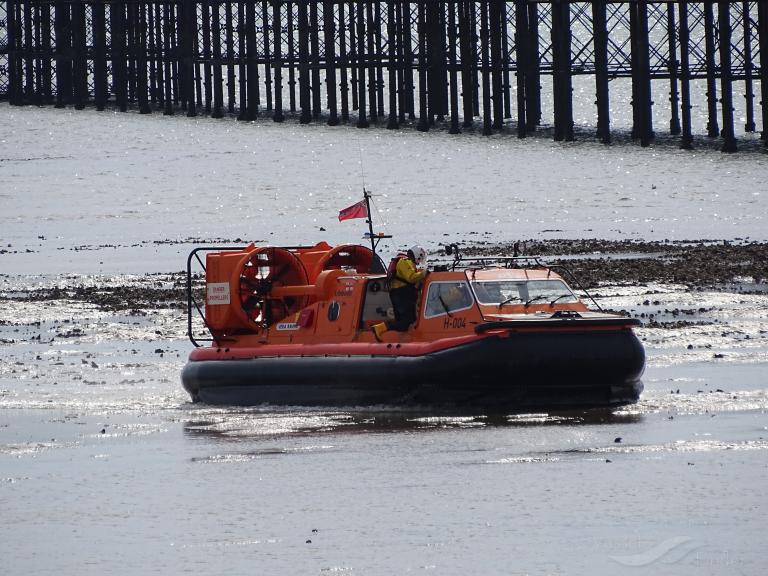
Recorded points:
(107, 468)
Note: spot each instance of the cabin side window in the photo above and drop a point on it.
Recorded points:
(447, 297)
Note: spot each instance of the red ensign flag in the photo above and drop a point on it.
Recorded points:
(358, 210)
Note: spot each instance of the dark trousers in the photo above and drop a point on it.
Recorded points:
(404, 303)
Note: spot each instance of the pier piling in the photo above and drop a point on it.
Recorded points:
(445, 64)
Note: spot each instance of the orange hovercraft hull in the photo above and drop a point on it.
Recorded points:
(292, 326)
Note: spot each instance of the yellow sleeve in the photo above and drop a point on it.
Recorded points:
(406, 271)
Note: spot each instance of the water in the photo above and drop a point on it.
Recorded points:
(383, 493)
(107, 468)
(158, 179)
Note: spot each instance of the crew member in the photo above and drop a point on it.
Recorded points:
(403, 291)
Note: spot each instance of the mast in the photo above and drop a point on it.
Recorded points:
(369, 220)
(374, 238)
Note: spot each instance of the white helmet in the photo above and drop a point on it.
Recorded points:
(419, 254)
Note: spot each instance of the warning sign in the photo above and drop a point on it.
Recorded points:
(217, 293)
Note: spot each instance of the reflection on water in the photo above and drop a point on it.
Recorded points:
(236, 424)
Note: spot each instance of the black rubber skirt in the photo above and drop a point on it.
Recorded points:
(512, 371)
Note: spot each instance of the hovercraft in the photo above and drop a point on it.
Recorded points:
(292, 326)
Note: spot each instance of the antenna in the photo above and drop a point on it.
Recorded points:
(362, 167)
(374, 238)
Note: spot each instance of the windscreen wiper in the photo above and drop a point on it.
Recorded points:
(558, 298)
(539, 297)
(445, 306)
(508, 300)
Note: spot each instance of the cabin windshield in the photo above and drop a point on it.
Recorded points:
(525, 292)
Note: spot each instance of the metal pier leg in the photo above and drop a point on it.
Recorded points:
(314, 37)
(195, 55)
(602, 94)
(557, 64)
(354, 53)
(268, 62)
(437, 80)
(392, 121)
(484, 51)
(229, 29)
(454, 96)
(465, 47)
(562, 80)
(156, 64)
(634, 55)
(505, 62)
(175, 60)
(62, 31)
(379, 61)
(762, 20)
(154, 43)
(100, 89)
(497, 80)
(188, 35)
(370, 69)
(47, 62)
(132, 39)
(641, 77)
(443, 71)
(25, 61)
(119, 68)
(685, 76)
(63, 56)
(474, 37)
(522, 42)
(362, 119)
(421, 33)
(14, 76)
(47, 50)
(218, 94)
(304, 88)
(168, 50)
(401, 99)
(726, 77)
(344, 64)
(533, 72)
(252, 68)
(242, 60)
(141, 72)
(713, 130)
(329, 25)
(39, 56)
(79, 61)
(207, 68)
(647, 135)
(43, 52)
(749, 95)
(291, 56)
(277, 63)
(674, 96)
(16, 55)
(63, 46)
(410, 105)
